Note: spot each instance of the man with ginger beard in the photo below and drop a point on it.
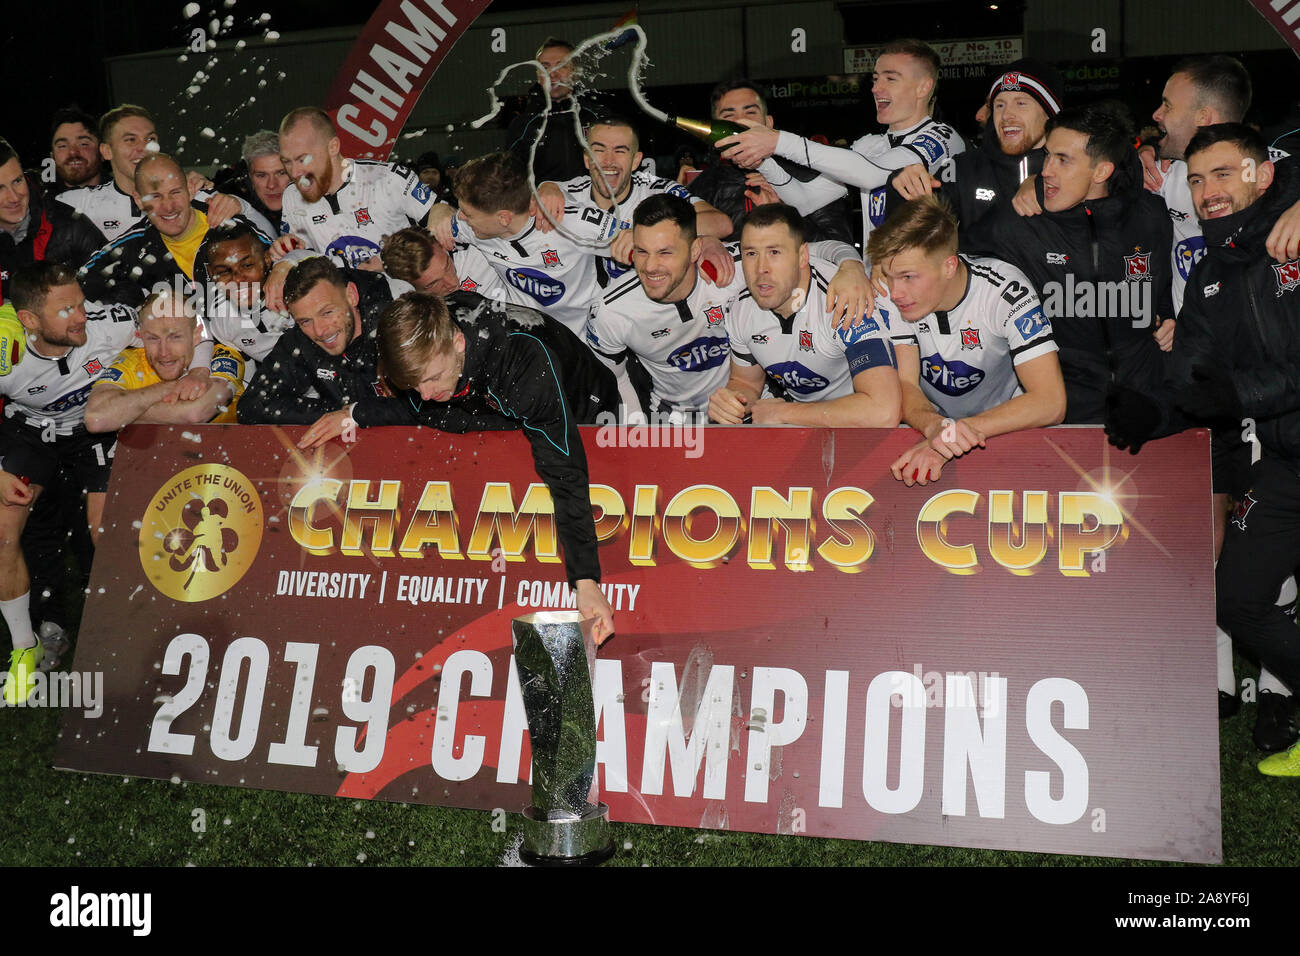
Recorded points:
(341, 207)
(1023, 98)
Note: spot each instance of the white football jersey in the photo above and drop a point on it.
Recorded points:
(683, 345)
(969, 353)
(114, 212)
(51, 393)
(477, 274)
(579, 192)
(867, 164)
(252, 332)
(110, 209)
(804, 358)
(1188, 247)
(349, 225)
(555, 270)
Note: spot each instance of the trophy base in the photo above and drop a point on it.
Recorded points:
(580, 841)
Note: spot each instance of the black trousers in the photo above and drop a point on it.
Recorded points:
(1260, 550)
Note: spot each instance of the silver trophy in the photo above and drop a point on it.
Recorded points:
(565, 825)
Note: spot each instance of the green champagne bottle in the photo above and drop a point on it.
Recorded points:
(710, 131)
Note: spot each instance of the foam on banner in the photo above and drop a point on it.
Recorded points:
(1019, 656)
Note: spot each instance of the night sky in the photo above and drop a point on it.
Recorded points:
(50, 58)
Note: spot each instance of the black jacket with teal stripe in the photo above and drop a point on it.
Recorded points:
(523, 370)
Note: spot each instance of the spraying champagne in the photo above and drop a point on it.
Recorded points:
(711, 131)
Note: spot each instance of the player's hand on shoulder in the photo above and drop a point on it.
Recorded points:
(620, 249)
(914, 181)
(221, 207)
(196, 181)
(1283, 242)
(850, 295)
(1153, 170)
(716, 255)
(1025, 201)
(547, 206)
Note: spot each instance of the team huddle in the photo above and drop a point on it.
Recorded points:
(1065, 269)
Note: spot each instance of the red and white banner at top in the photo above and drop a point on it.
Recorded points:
(398, 51)
(1284, 15)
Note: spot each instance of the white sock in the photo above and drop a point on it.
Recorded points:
(1287, 594)
(1223, 645)
(1267, 682)
(17, 614)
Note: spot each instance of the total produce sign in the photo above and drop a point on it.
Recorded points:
(1020, 656)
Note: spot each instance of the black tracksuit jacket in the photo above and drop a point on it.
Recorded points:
(523, 370)
(1106, 249)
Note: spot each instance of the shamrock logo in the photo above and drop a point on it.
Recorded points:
(204, 541)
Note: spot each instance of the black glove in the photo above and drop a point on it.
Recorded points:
(1131, 418)
(1211, 398)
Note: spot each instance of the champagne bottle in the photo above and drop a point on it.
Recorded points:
(710, 131)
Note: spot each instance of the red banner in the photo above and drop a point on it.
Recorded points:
(1020, 656)
(1284, 15)
(399, 49)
